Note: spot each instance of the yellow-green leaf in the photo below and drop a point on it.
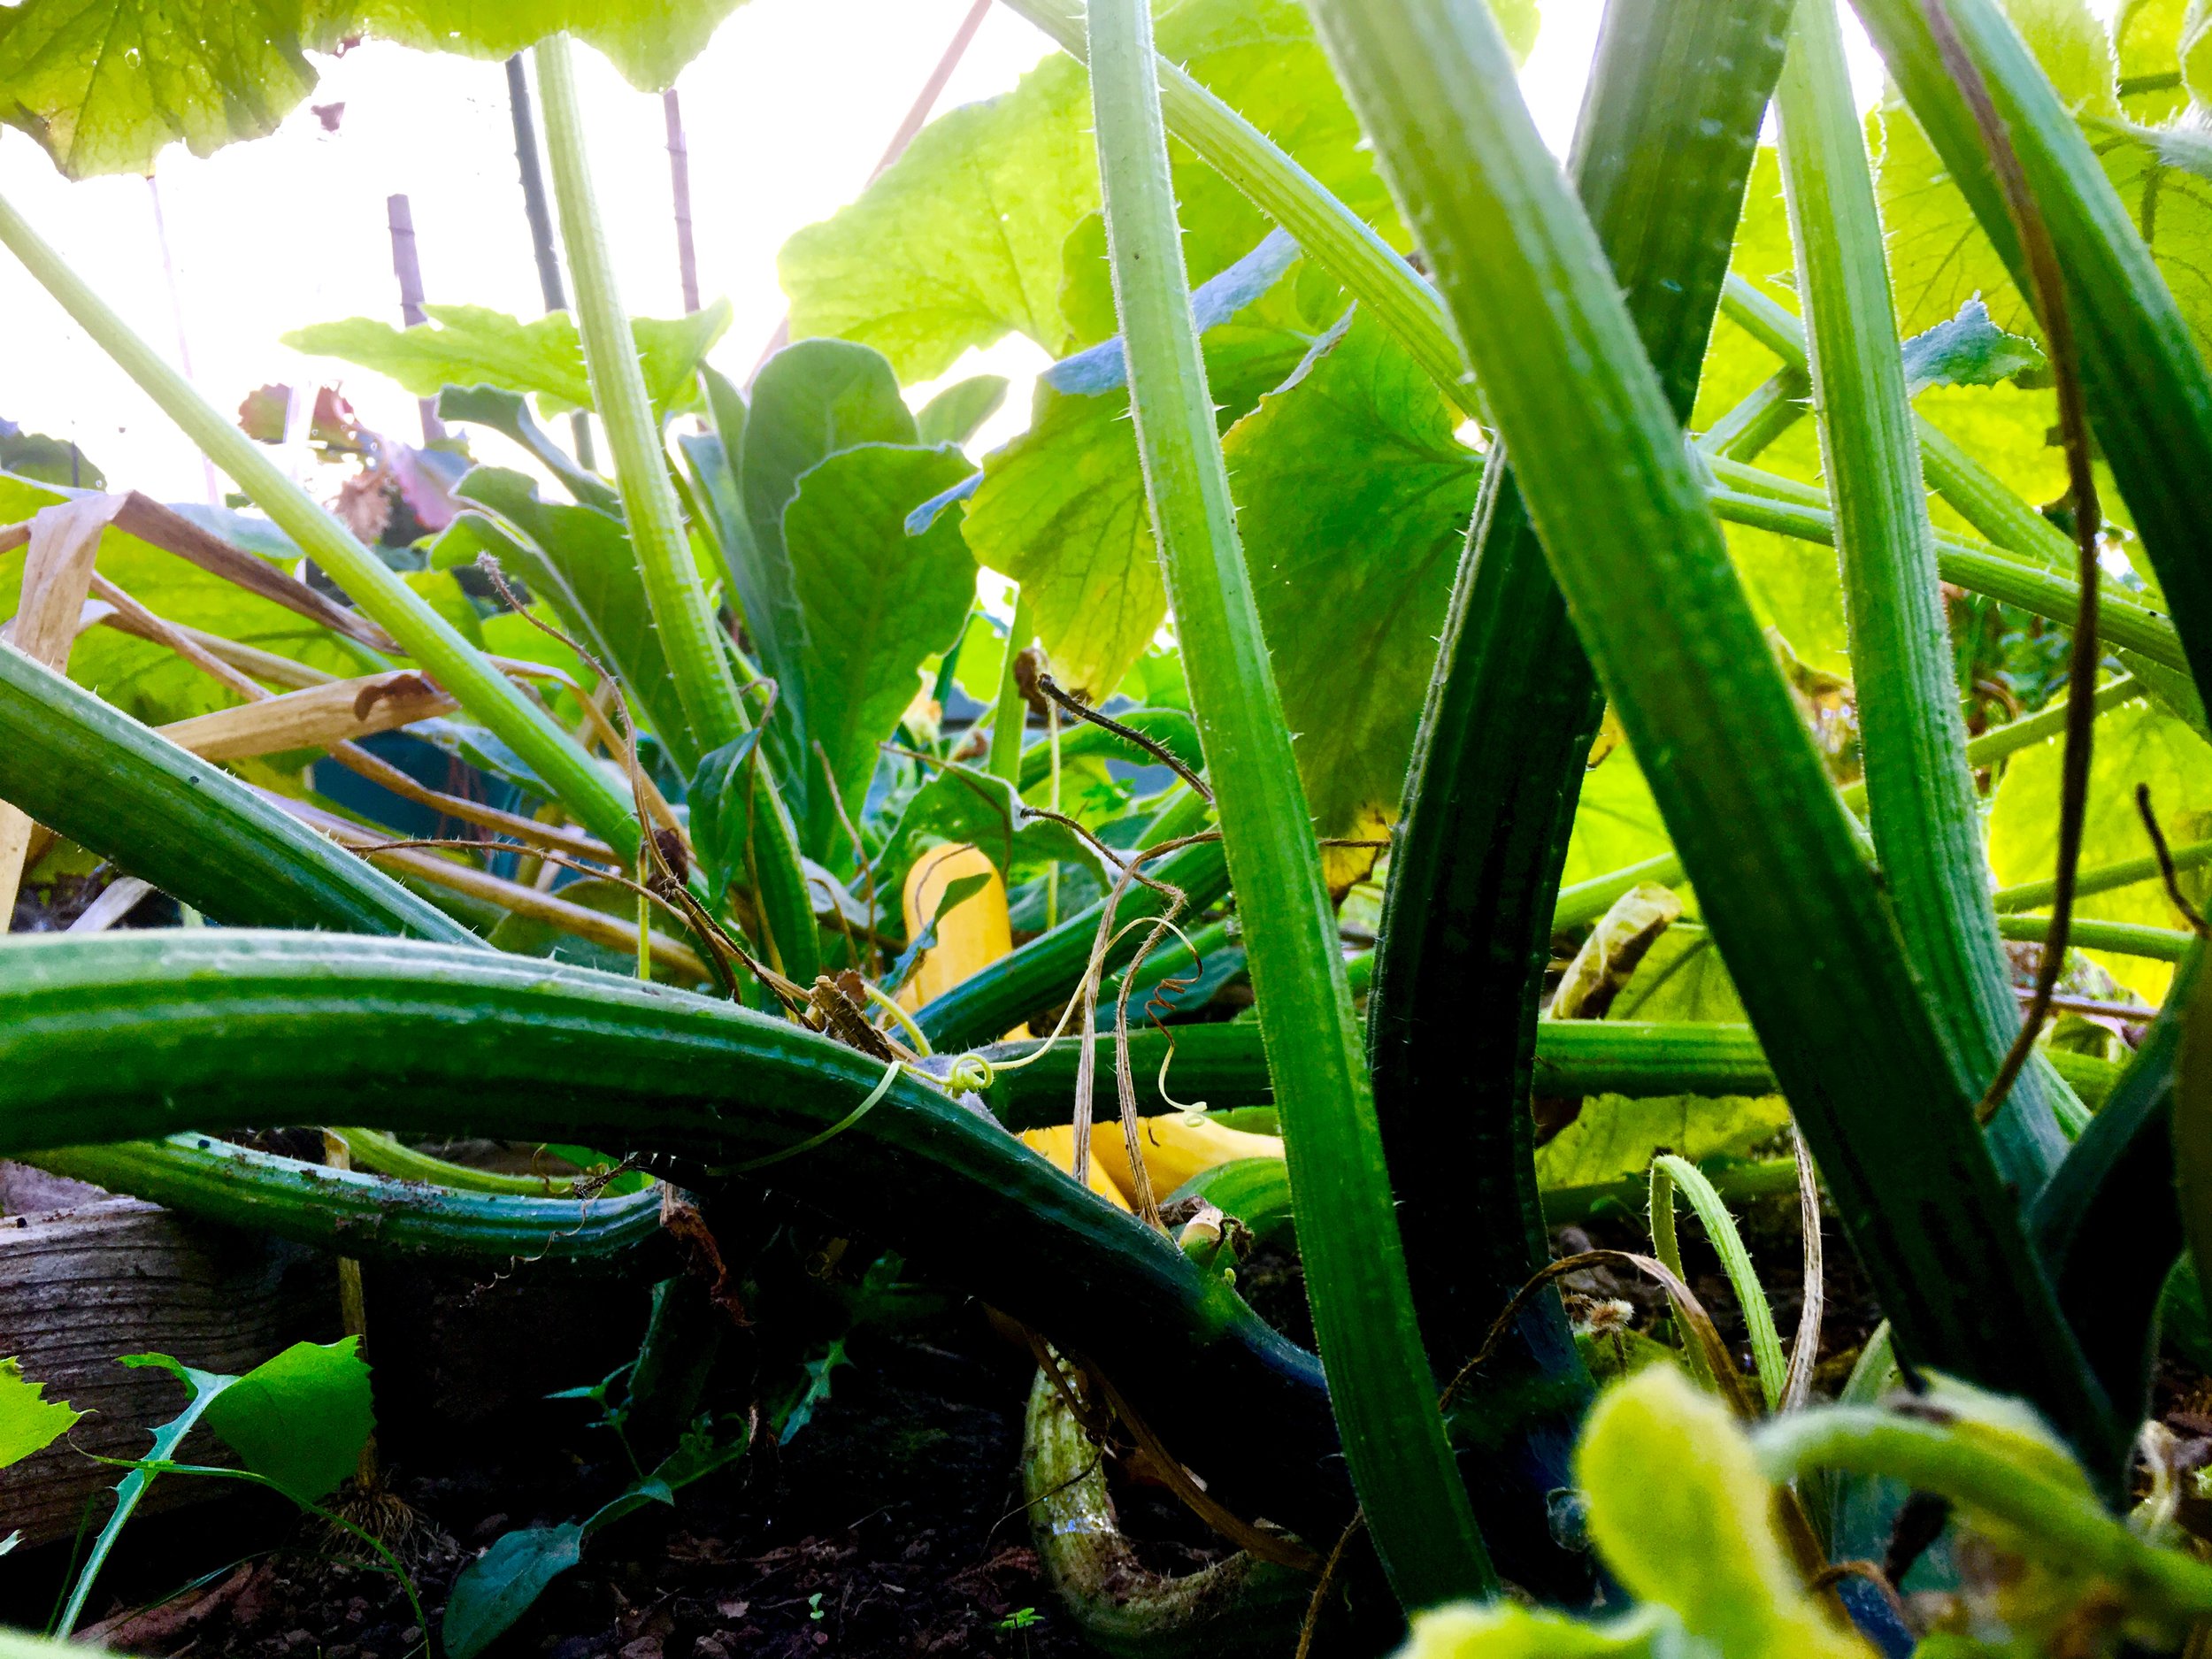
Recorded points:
(1503, 1630)
(29, 1421)
(2136, 744)
(1353, 496)
(1682, 1516)
(469, 345)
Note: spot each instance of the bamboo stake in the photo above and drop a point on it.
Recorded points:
(400, 220)
(679, 192)
(537, 209)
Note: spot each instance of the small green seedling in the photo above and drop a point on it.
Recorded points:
(499, 1586)
(297, 1422)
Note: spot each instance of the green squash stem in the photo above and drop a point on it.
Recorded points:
(1926, 822)
(1800, 920)
(1380, 1385)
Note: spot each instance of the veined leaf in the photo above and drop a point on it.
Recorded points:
(2146, 37)
(876, 600)
(2164, 176)
(469, 345)
(648, 41)
(2139, 743)
(1682, 979)
(300, 1425)
(1938, 257)
(499, 1586)
(504, 1583)
(104, 85)
(962, 806)
(1795, 591)
(813, 400)
(961, 241)
(1062, 509)
(1616, 823)
(958, 243)
(1353, 496)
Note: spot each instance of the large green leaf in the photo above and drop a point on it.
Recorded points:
(1353, 496)
(1796, 591)
(958, 242)
(813, 400)
(1616, 1135)
(500, 1585)
(577, 559)
(504, 1583)
(961, 241)
(961, 805)
(1938, 257)
(2146, 41)
(468, 345)
(876, 600)
(104, 85)
(2137, 744)
(2164, 176)
(1062, 510)
(299, 1420)
(1616, 822)
(299, 1424)
(648, 41)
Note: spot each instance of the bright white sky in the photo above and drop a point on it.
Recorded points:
(786, 111)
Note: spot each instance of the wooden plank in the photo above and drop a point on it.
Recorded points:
(85, 1277)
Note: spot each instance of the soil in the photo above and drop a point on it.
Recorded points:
(890, 1525)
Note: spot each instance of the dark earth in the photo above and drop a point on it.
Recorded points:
(891, 1524)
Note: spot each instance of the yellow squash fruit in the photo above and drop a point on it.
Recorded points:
(1176, 1147)
(970, 936)
(1056, 1147)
